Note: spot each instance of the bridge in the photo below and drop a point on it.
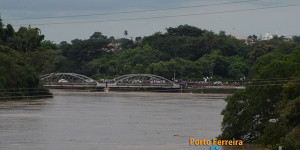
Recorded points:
(73, 80)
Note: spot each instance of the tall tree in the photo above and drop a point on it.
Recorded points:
(98, 35)
(27, 39)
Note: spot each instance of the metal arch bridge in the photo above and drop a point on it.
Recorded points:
(73, 80)
(143, 80)
(68, 80)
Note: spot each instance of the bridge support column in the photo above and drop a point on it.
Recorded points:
(106, 90)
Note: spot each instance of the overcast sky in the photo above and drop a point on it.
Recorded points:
(284, 20)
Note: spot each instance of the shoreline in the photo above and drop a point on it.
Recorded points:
(88, 92)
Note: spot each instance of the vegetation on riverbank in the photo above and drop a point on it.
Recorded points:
(18, 80)
(268, 111)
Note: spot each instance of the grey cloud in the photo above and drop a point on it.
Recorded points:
(243, 23)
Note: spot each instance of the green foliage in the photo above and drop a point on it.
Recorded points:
(292, 88)
(17, 78)
(1, 24)
(98, 35)
(63, 45)
(237, 67)
(185, 30)
(81, 52)
(26, 39)
(292, 140)
(48, 45)
(142, 55)
(296, 39)
(273, 134)
(190, 52)
(291, 113)
(184, 69)
(233, 124)
(20, 75)
(41, 61)
(268, 110)
(125, 44)
(258, 51)
(192, 43)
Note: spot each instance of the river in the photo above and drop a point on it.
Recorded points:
(76, 120)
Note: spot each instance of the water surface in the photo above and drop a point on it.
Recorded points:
(110, 121)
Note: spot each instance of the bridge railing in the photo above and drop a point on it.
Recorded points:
(70, 83)
(146, 84)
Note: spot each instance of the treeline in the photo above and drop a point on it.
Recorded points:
(190, 52)
(18, 78)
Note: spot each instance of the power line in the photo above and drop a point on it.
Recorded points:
(159, 17)
(291, 35)
(135, 11)
(274, 84)
(274, 79)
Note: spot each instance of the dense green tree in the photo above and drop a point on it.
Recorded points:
(267, 110)
(142, 55)
(85, 50)
(1, 31)
(183, 69)
(125, 44)
(210, 39)
(41, 61)
(82, 52)
(215, 64)
(237, 67)
(139, 38)
(98, 35)
(63, 45)
(17, 78)
(48, 45)
(26, 39)
(8, 33)
(75, 41)
(185, 30)
(192, 43)
(20, 75)
(296, 39)
(258, 51)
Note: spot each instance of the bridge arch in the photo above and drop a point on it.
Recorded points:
(68, 79)
(144, 80)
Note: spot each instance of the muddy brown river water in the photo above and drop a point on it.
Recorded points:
(76, 120)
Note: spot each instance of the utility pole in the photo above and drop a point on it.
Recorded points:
(174, 75)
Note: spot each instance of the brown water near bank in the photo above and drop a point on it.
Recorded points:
(77, 120)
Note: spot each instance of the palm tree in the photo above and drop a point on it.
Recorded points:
(210, 39)
(125, 33)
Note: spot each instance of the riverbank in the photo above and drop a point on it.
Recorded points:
(203, 90)
(24, 94)
(150, 93)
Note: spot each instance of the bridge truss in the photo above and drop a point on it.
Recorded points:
(68, 80)
(125, 81)
(144, 80)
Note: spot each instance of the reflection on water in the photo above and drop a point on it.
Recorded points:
(109, 121)
(244, 147)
